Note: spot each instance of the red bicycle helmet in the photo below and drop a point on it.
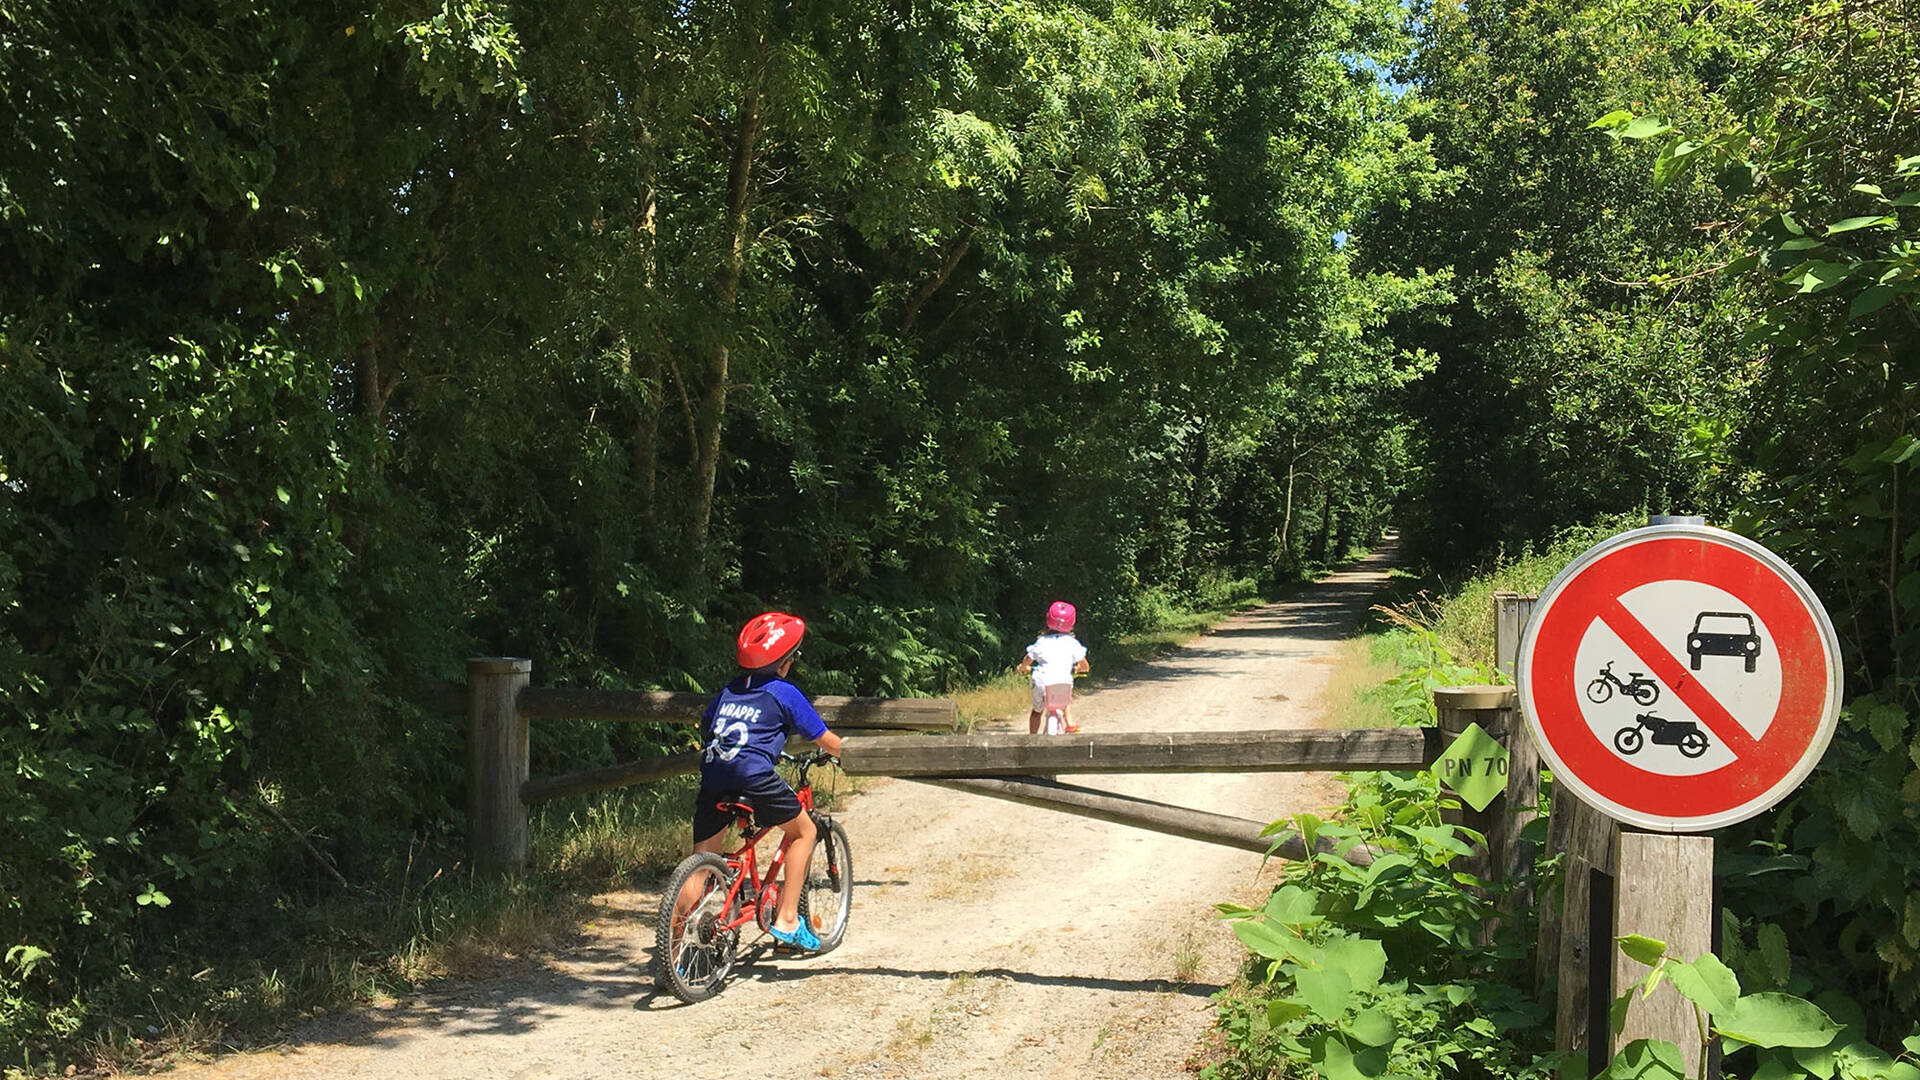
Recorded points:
(1060, 615)
(768, 639)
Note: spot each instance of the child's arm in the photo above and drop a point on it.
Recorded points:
(1082, 667)
(829, 742)
(1025, 666)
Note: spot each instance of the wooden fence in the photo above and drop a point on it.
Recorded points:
(1574, 947)
(499, 705)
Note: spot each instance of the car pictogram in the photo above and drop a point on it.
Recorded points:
(1723, 633)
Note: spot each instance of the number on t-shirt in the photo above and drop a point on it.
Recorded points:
(727, 742)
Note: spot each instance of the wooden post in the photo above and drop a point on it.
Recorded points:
(1511, 610)
(1573, 947)
(1518, 808)
(1586, 836)
(1663, 888)
(1458, 707)
(497, 834)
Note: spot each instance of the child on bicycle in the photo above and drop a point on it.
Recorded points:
(745, 728)
(1054, 658)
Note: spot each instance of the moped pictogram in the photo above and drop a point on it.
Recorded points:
(1636, 686)
(1684, 734)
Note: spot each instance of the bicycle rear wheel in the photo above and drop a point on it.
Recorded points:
(828, 898)
(691, 953)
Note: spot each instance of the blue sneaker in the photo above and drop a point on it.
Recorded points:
(800, 937)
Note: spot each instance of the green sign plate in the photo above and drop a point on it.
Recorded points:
(1475, 766)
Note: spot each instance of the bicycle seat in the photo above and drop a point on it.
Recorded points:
(740, 808)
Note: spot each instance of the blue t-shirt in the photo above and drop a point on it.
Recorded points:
(746, 726)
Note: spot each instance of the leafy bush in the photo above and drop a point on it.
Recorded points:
(1386, 969)
(1383, 969)
(1826, 886)
(1764, 1034)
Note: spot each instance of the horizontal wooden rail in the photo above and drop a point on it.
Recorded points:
(543, 788)
(1282, 750)
(679, 707)
(499, 705)
(1141, 813)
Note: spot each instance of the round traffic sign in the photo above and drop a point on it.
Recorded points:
(1680, 678)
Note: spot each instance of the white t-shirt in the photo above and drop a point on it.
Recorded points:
(1054, 656)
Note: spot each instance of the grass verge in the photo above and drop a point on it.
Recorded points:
(327, 949)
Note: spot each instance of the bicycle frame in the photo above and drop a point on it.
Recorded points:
(744, 863)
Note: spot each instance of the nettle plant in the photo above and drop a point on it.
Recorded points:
(1767, 1035)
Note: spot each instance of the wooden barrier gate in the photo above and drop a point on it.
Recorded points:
(500, 705)
(1574, 948)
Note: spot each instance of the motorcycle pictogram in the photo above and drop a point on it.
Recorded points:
(1684, 734)
(1637, 686)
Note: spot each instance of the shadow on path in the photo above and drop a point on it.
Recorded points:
(618, 980)
(1030, 978)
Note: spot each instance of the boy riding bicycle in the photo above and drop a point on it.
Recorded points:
(745, 728)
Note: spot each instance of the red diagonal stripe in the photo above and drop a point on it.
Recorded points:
(1661, 664)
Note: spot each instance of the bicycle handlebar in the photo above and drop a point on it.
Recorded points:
(809, 760)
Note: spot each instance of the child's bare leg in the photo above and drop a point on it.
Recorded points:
(1033, 722)
(690, 892)
(796, 839)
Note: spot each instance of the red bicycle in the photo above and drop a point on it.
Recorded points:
(696, 942)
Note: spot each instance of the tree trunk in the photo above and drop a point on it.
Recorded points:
(1197, 531)
(1286, 519)
(932, 285)
(645, 374)
(712, 406)
(370, 394)
(646, 378)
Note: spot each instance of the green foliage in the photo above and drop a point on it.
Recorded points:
(1383, 969)
(1824, 888)
(1681, 247)
(1563, 389)
(341, 342)
(1814, 160)
(1763, 1034)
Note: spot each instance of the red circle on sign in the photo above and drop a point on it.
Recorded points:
(1800, 719)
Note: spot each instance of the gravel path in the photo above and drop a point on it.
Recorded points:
(987, 939)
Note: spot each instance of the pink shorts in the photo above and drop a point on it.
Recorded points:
(1062, 693)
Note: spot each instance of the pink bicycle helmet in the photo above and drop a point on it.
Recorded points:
(1060, 615)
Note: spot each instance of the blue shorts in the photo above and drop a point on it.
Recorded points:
(773, 802)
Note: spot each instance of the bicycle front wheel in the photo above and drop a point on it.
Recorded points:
(828, 898)
(692, 953)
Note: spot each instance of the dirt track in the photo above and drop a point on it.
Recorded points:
(987, 939)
